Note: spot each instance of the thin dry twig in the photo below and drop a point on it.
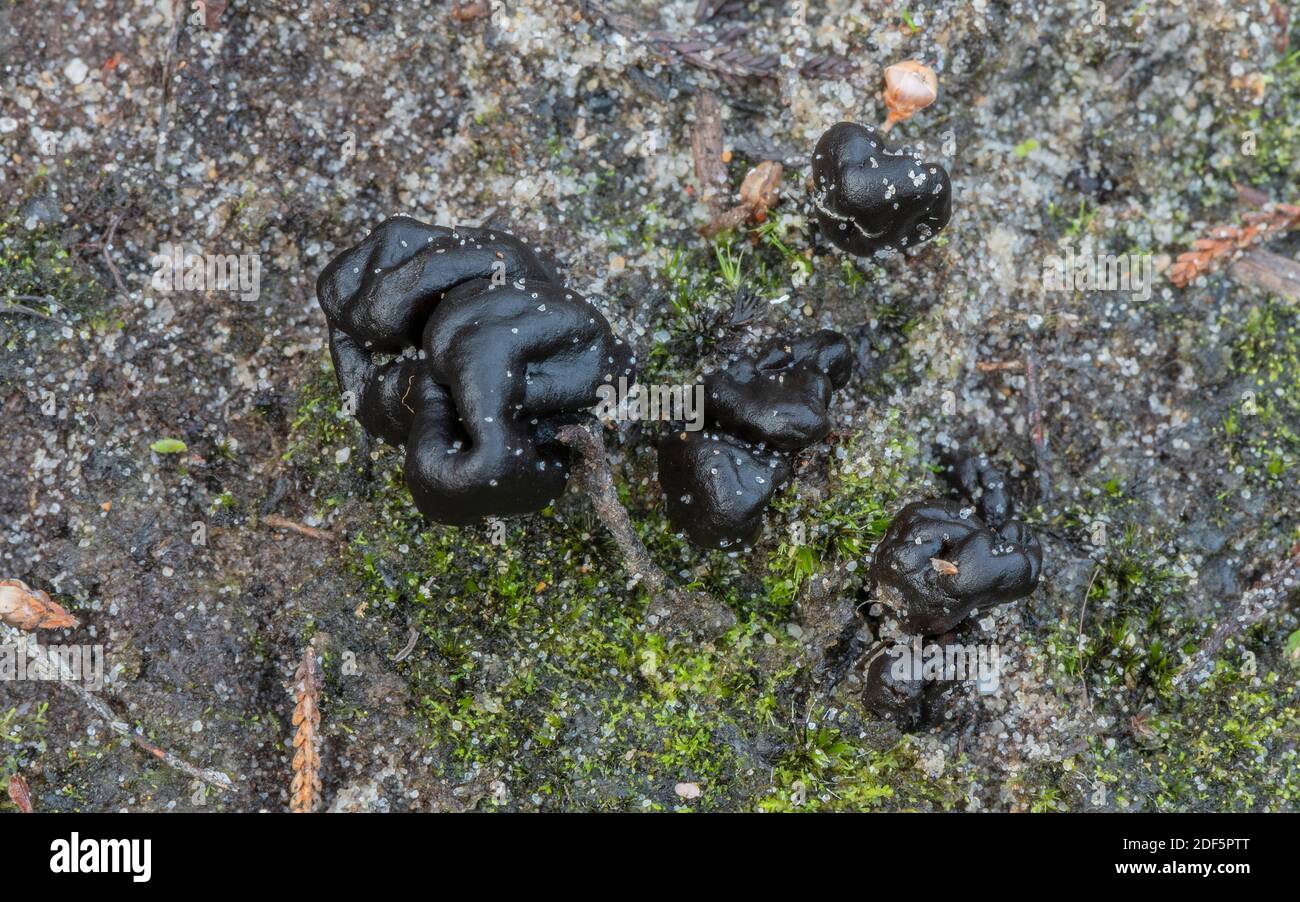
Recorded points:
(1268, 272)
(706, 147)
(305, 790)
(103, 245)
(1263, 598)
(24, 310)
(20, 794)
(275, 521)
(101, 708)
(716, 50)
(165, 100)
(1226, 242)
(1037, 432)
(697, 611)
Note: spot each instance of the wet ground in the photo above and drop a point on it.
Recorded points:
(463, 672)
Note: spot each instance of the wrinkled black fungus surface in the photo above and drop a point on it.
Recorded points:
(464, 345)
(758, 409)
(998, 559)
(870, 197)
(900, 699)
(976, 479)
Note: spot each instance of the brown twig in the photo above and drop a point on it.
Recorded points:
(997, 366)
(1269, 272)
(169, 51)
(305, 789)
(102, 244)
(716, 50)
(697, 611)
(1037, 432)
(70, 681)
(706, 147)
(1260, 600)
(25, 311)
(277, 522)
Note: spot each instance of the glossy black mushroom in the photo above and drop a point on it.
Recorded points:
(758, 409)
(976, 478)
(869, 196)
(464, 345)
(941, 560)
(891, 689)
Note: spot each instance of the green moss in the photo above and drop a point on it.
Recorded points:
(1274, 128)
(20, 736)
(1126, 640)
(825, 772)
(1230, 747)
(533, 663)
(35, 264)
(1260, 428)
(857, 508)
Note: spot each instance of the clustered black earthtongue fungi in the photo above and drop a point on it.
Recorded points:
(870, 197)
(464, 345)
(945, 559)
(758, 409)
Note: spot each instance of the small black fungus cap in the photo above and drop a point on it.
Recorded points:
(887, 693)
(758, 409)
(464, 345)
(992, 565)
(979, 481)
(870, 197)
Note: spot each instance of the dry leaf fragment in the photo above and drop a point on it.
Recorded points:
(29, 609)
(761, 187)
(21, 795)
(947, 568)
(305, 790)
(910, 87)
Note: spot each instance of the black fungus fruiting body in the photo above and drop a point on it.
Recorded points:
(758, 409)
(869, 196)
(947, 559)
(464, 345)
(976, 479)
(899, 697)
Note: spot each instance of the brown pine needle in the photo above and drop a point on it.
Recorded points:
(21, 795)
(1226, 241)
(305, 790)
(29, 609)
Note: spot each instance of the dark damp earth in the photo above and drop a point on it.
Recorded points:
(154, 436)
